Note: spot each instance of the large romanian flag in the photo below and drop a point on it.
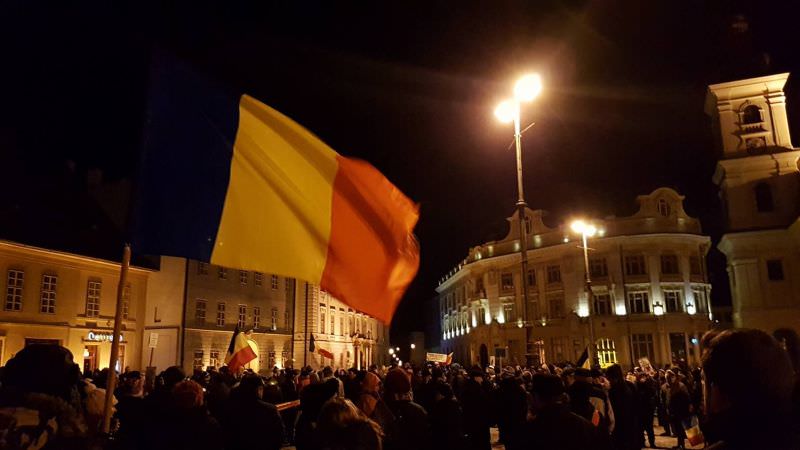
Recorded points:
(239, 351)
(228, 180)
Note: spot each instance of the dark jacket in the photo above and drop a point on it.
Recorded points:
(252, 423)
(557, 428)
(409, 428)
(447, 426)
(626, 434)
(191, 428)
(511, 408)
(477, 408)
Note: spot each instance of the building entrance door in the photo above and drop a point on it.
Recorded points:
(677, 348)
(89, 358)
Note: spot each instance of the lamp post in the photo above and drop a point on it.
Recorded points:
(525, 90)
(587, 230)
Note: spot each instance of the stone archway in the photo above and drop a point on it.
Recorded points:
(484, 355)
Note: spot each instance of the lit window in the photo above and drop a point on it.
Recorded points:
(257, 277)
(256, 317)
(506, 282)
(634, 265)
(508, 312)
(669, 264)
(274, 282)
(200, 311)
(14, 284)
(322, 318)
(202, 268)
(775, 269)
(213, 358)
(606, 352)
(553, 274)
(598, 267)
(602, 305)
(673, 301)
(47, 303)
(197, 361)
(638, 303)
(242, 316)
(243, 277)
(222, 273)
(220, 314)
(93, 298)
(333, 320)
(274, 319)
(342, 330)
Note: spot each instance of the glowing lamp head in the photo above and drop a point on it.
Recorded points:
(391, 351)
(413, 346)
(583, 311)
(658, 309)
(528, 87)
(690, 308)
(581, 227)
(507, 111)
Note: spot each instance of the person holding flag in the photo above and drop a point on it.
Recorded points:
(239, 351)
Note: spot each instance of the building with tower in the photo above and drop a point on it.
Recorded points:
(650, 291)
(759, 186)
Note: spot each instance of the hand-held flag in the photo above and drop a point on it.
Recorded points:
(229, 180)
(239, 351)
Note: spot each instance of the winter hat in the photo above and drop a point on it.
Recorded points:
(397, 382)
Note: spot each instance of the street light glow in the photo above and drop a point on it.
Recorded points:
(507, 111)
(581, 227)
(528, 87)
(391, 351)
(413, 346)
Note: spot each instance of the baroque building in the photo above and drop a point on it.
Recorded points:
(650, 291)
(353, 338)
(759, 186)
(67, 299)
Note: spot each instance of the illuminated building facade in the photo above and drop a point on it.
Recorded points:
(759, 184)
(69, 300)
(650, 292)
(355, 339)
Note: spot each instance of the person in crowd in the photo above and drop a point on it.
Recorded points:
(342, 426)
(370, 401)
(622, 395)
(40, 403)
(748, 386)
(312, 397)
(590, 401)
(250, 422)
(217, 394)
(511, 408)
(553, 425)
(131, 412)
(408, 428)
(678, 406)
(476, 405)
(663, 400)
(446, 419)
(646, 400)
(189, 424)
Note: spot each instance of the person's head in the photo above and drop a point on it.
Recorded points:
(748, 372)
(585, 375)
(443, 391)
(44, 369)
(327, 372)
(568, 376)
(476, 373)
(342, 426)
(187, 395)
(397, 383)
(370, 384)
(251, 386)
(172, 376)
(614, 373)
(546, 390)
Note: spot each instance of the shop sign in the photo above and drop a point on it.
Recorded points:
(99, 336)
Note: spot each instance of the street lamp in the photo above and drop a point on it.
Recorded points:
(587, 230)
(413, 346)
(526, 89)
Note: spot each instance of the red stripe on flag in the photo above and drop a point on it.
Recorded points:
(372, 253)
(241, 357)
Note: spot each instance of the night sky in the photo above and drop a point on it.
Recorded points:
(411, 89)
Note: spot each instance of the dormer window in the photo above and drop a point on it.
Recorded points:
(751, 115)
(664, 208)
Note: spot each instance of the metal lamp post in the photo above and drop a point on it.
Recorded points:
(525, 90)
(586, 231)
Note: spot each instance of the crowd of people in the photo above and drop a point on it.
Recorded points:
(744, 396)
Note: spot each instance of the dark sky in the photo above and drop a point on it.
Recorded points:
(410, 88)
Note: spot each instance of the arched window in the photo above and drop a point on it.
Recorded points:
(663, 208)
(751, 114)
(764, 201)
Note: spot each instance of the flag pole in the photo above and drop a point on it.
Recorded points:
(112, 374)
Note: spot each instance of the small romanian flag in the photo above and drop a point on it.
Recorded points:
(226, 179)
(325, 353)
(239, 351)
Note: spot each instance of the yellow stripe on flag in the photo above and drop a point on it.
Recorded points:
(277, 213)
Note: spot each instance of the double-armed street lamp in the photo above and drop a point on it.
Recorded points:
(587, 230)
(525, 90)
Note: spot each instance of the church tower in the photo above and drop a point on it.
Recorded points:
(759, 182)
